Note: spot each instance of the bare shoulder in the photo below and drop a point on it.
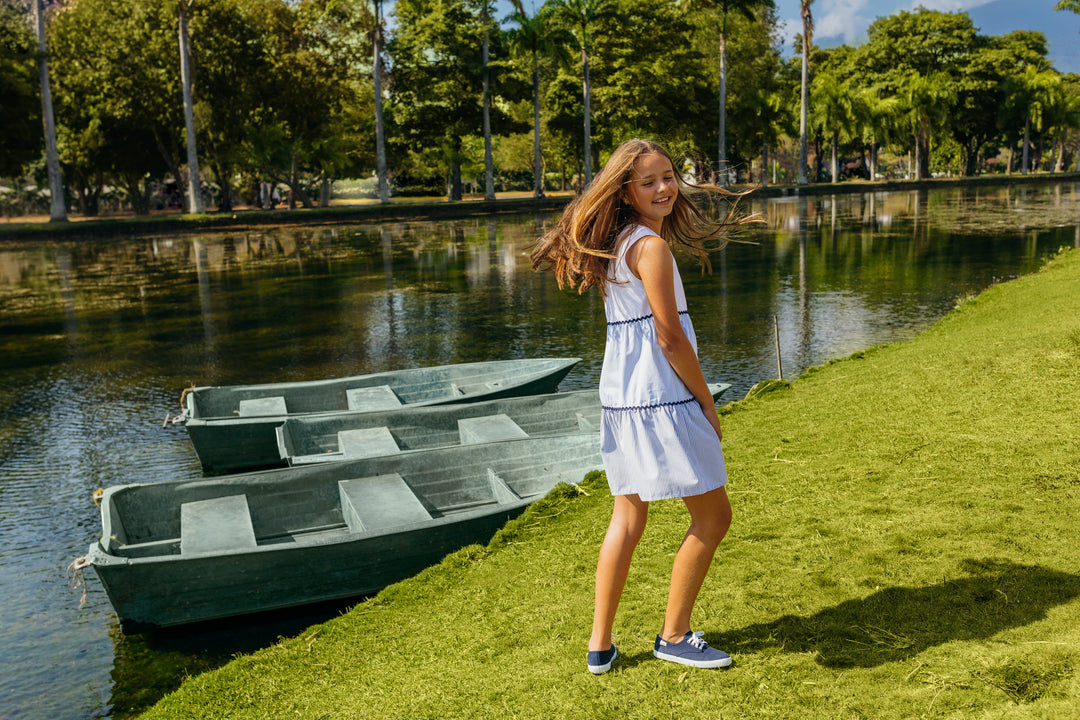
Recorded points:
(646, 251)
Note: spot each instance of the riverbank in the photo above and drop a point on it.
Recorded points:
(173, 222)
(903, 546)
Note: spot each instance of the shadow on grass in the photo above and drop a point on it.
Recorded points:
(900, 622)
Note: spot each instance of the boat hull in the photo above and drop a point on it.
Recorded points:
(315, 533)
(177, 591)
(228, 442)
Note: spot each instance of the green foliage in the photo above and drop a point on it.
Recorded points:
(116, 119)
(20, 104)
(437, 91)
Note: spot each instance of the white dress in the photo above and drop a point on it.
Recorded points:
(654, 438)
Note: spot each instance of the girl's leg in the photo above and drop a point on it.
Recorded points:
(627, 524)
(710, 518)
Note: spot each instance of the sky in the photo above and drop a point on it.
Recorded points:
(844, 22)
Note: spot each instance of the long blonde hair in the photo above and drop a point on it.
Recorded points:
(581, 245)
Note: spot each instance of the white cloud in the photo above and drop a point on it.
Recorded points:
(947, 5)
(844, 19)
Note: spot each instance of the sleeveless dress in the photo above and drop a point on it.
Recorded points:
(655, 440)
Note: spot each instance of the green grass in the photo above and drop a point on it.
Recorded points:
(904, 546)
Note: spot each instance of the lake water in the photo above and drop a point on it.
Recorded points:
(99, 338)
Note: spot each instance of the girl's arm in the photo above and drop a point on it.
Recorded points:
(650, 260)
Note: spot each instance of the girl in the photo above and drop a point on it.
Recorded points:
(660, 433)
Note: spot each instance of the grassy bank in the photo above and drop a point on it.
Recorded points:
(174, 223)
(904, 546)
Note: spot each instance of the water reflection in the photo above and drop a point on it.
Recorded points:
(98, 339)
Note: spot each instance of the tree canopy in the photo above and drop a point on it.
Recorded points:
(284, 95)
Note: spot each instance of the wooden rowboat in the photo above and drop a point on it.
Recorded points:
(352, 436)
(176, 552)
(232, 427)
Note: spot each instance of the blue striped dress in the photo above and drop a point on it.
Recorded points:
(654, 438)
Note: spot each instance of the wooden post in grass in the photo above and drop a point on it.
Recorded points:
(776, 333)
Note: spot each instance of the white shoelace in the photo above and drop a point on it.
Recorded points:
(698, 641)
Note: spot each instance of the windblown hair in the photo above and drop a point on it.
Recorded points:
(581, 245)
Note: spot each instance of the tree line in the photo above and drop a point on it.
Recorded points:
(140, 102)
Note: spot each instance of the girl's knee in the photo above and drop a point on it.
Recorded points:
(711, 530)
(710, 517)
(630, 527)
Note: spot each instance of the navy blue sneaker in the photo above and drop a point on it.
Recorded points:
(600, 660)
(692, 650)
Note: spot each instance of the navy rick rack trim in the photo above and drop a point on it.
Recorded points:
(639, 319)
(634, 408)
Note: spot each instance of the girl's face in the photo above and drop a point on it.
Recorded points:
(652, 189)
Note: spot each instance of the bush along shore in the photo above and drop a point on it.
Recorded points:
(904, 545)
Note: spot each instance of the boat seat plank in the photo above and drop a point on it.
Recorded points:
(367, 442)
(257, 407)
(489, 429)
(378, 503)
(502, 492)
(380, 397)
(584, 425)
(216, 525)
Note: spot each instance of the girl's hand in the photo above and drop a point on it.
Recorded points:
(714, 420)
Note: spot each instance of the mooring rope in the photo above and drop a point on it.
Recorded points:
(75, 578)
(183, 396)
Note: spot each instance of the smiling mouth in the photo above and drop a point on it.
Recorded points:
(662, 201)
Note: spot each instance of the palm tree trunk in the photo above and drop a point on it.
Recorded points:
(918, 158)
(1027, 133)
(834, 163)
(380, 140)
(57, 206)
(764, 164)
(722, 165)
(489, 165)
(587, 93)
(538, 167)
(803, 107)
(195, 200)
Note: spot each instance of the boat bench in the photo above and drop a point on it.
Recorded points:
(258, 407)
(367, 442)
(216, 525)
(380, 397)
(380, 502)
(489, 429)
(584, 425)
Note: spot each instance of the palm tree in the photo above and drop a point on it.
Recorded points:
(807, 34)
(489, 165)
(877, 113)
(723, 8)
(1029, 94)
(380, 139)
(1042, 86)
(832, 100)
(57, 207)
(580, 15)
(195, 200)
(1064, 115)
(927, 99)
(535, 37)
